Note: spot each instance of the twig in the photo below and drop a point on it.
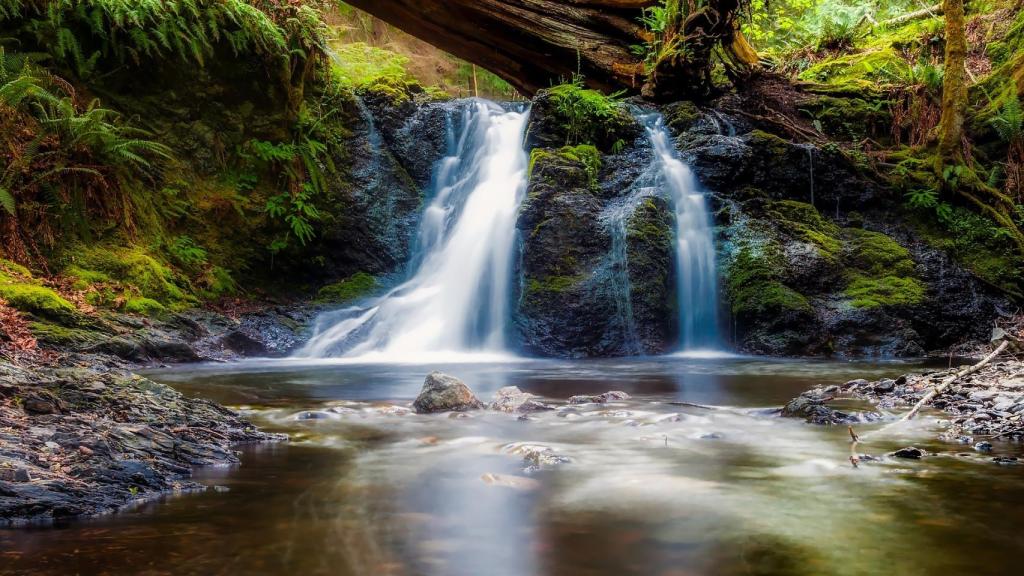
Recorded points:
(951, 379)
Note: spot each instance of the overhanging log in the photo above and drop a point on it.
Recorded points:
(536, 43)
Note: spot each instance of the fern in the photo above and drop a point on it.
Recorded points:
(1009, 123)
(7, 201)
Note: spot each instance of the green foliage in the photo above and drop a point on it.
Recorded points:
(1009, 122)
(357, 286)
(589, 116)
(186, 252)
(359, 64)
(80, 152)
(144, 307)
(80, 33)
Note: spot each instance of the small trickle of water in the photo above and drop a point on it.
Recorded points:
(456, 298)
(697, 280)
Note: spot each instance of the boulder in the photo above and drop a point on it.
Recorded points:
(513, 400)
(444, 393)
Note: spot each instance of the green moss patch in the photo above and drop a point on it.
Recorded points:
(754, 288)
(357, 286)
(552, 284)
(144, 306)
(803, 221)
(137, 270)
(586, 155)
(865, 292)
(38, 301)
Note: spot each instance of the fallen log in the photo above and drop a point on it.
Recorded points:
(928, 12)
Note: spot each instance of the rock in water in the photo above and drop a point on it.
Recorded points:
(909, 453)
(444, 393)
(512, 400)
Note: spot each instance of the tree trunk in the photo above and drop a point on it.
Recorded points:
(954, 86)
(534, 44)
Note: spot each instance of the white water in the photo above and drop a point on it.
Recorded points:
(457, 296)
(697, 280)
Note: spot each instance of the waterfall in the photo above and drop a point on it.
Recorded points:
(697, 281)
(456, 296)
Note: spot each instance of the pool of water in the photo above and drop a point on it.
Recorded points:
(652, 486)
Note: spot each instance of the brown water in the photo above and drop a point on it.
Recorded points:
(652, 488)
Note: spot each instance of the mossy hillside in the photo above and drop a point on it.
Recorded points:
(353, 288)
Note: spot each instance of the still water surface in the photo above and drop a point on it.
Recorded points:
(652, 488)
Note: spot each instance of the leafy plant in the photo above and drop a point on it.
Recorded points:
(185, 250)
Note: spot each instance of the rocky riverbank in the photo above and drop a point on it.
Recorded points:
(85, 439)
(80, 434)
(984, 407)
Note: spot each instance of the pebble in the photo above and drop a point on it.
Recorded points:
(886, 385)
(983, 447)
(22, 475)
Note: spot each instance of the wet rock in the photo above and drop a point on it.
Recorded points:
(910, 453)
(22, 475)
(1005, 460)
(444, 393)
(536, 456)
(884, 386)
(604, 398)
(511, 399)
(983, 446)
(43, 402)
(854, 385)
(814, 411)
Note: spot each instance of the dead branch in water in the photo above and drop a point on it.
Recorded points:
(951, 379)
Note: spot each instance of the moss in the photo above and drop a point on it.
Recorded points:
(681, 116)
(37, 300)
(83, 279)
(354, 287)
(803, 221)
(144, 306)
(138, 270)
(876, 254)
(219, 282)
(14, 268)
(552, 284)
(754, 289)
(56, 335)
(866, 292)
(851, 118)
(645, 226)
(584, 154)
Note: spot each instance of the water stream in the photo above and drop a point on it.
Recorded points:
(652, 485)
(457, 296)
(697, 280)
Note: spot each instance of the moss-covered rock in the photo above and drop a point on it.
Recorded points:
(136, 269)
(353, 288)
(869, 292)
(144, 307)
(37, 300)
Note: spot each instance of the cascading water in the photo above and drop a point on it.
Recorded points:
(697, 281)
(457, 295)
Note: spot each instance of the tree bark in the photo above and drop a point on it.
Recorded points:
(954, 86)
(534, 44)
